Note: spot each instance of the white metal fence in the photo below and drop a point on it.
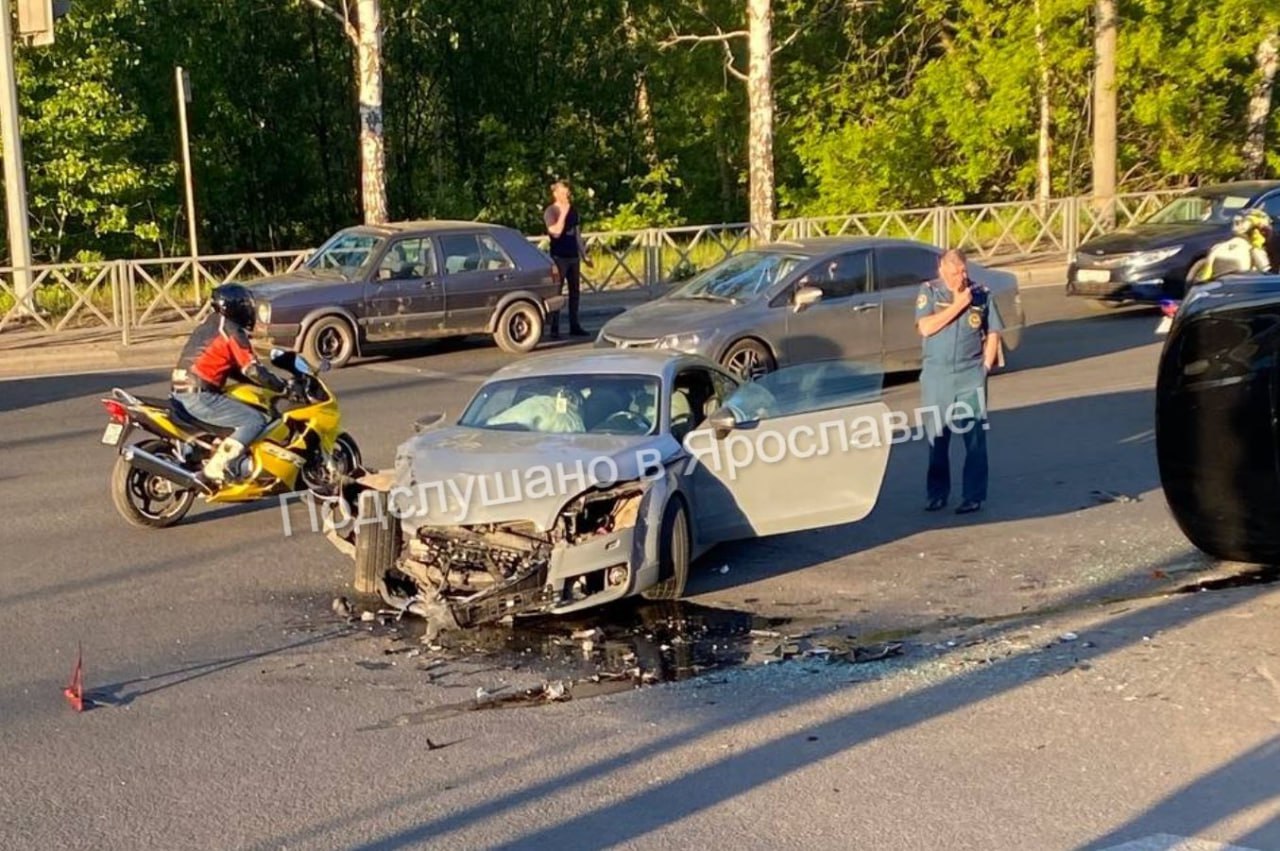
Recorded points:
(128, 295)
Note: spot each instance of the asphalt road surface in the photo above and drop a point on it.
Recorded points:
(235, 710)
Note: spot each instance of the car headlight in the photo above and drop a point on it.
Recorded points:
(264, 313)
(1148, 258)
(680, 342)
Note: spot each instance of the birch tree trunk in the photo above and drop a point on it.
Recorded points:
(1044, 178)
(1255, 146)
(644, 109)
(373, 189)
(760, 105)
(1104, 106)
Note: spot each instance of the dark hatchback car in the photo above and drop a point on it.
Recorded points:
(383, 284)
(1217, 438)
(1154, 259)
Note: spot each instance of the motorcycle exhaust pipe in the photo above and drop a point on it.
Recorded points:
(167, 470)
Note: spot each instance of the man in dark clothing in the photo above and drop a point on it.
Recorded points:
(220, 349)
(564, 228)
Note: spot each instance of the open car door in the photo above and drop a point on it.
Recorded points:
(800, 448)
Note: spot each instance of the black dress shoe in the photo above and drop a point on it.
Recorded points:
(968, 507)
(936, 505)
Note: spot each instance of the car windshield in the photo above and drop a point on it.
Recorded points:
(567, 404)
(347, 253)
(741, 277)
(1190, 209)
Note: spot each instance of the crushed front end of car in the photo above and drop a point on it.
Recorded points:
(461, 565)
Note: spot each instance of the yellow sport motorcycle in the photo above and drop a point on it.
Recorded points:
(154, 482)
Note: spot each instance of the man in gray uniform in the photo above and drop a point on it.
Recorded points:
(961, 327)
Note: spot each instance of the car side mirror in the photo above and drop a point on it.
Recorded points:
(383, 274)
(805, 297)
(427, 421)
(723, 421)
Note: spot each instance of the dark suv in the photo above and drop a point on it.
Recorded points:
(1154, 260)
(403, 281)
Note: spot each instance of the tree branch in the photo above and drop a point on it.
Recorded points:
(719, 37)
(342, 17)
(728, 62)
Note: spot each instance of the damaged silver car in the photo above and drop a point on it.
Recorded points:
(574, 479)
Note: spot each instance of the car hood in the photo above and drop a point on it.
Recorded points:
(301, 280)
(1147, 237)
(464, 476)
(668, 315)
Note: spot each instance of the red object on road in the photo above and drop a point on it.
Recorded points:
(74, 692)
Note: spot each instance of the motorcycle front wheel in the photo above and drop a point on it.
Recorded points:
(146, 500)
(325, 479)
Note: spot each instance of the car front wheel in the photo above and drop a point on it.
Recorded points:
(749, 359)
(674, 548)
(331, 338)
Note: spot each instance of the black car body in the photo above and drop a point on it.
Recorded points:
(390, 283)
(1217, 437)
(1153, 260)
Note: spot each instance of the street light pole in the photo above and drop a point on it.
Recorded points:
(15, 181)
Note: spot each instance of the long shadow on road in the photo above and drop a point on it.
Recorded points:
(17, 394)
(1045, 461)
(714, 782)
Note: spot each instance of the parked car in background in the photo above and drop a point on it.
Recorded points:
(373, 285)
(1153, 260)
(834, 298)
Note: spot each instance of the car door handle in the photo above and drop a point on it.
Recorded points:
(503, 276)
(858, 308)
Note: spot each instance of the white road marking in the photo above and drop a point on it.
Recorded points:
(403, 369)
(1169, 842)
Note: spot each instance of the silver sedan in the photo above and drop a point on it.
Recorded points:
(835, 298)
(578, 478)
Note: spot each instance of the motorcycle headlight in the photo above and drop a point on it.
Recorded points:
(680, 342)
(264, 312)
(1148, 258)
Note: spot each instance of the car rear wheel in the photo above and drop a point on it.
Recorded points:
(331, 338)
(674, 548)
(749, 359)
(519, 328)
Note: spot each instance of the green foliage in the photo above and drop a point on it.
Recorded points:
(893, 104)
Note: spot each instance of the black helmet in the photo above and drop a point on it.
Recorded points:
(236, 303)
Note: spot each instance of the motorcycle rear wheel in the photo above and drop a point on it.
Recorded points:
(148, 501)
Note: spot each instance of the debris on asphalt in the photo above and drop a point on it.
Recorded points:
(1068, 636)
(1111, 496)
(368, 617)
(861, 655)
(341, 607)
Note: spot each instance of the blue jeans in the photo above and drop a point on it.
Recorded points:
(217, 409)
(974, 487)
